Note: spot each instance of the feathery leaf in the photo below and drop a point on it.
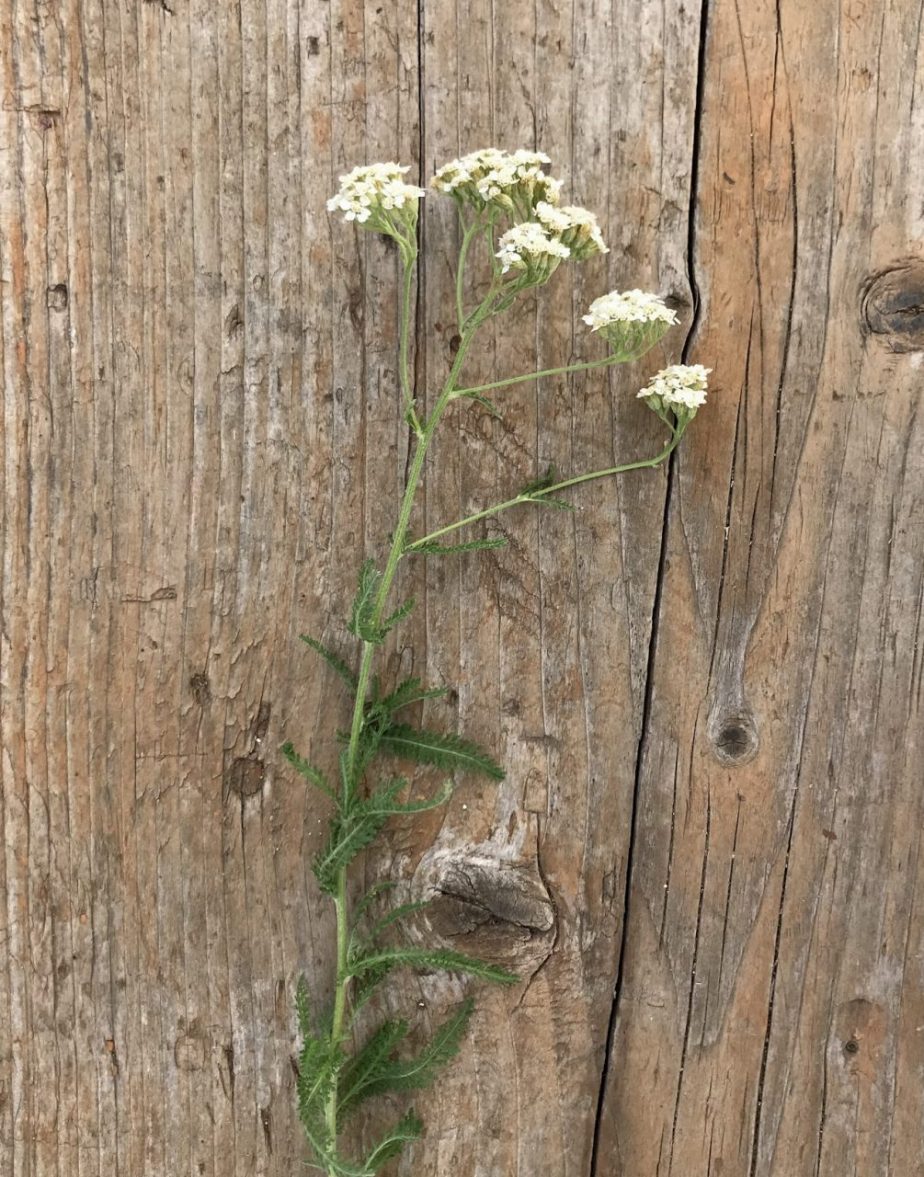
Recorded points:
(306, 769)
(431, 548)
(334, 661)
(427, 958)
(442, 750)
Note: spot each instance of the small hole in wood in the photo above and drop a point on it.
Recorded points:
(734, 738)
(851, 1046)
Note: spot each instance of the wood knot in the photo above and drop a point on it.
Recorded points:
(892, 306)
(734, 738)
(503, 910)
(57, 297)
(244, 776)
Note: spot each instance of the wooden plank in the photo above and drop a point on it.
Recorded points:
(705, 684)
(764, 1023)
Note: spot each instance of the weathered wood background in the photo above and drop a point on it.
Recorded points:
(705, 684)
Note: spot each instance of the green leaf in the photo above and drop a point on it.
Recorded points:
(426, 958)
(352, 829)
(384, 1073)
(366, 1063)
(402, 911)
(399, 615)
(542, 483)
(334, 661)
(307, 770)
(482, 400)
(363, 607)
(349, 834)
(442, 750)
(474, 545)
(370, 897)
(409, 1127)
(384, 799)
(410, 690)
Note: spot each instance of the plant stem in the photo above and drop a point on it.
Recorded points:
(423, 437)
(468, 232)
(545, 492)
(408, 258)
(607, 361)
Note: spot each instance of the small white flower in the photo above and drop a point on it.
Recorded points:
(529, 246)
(371, 191)
(683, 385)
(631, 322)
(576, 226)
(511, 182)
(632, 306)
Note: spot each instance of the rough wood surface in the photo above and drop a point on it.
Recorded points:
(705, 683)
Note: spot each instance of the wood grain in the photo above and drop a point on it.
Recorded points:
(705, 683)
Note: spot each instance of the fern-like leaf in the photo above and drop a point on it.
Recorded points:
(484, 401)
(368, 1062)
(349, 834)
(363, 608)
(410, 690)
(442, 750)
(334, 661)
(409, 1127)
(427, 958)
(386, 1073)
(431, 548)
(306, 769)
(399, 614)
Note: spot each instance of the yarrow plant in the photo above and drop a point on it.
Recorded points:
(510, 205)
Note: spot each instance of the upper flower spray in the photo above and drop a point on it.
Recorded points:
(681, 388)
(494, 179)
(377, 197)
(631, 322)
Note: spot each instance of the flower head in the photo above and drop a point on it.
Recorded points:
(574, 226)
(530, 247)
(377, 197)
(491, 178)
(680, 388)
(631, 322)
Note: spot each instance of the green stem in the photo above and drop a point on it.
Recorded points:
(607, 361)
(424, 435)
(408, 258)
(545, 492)
(468, 232)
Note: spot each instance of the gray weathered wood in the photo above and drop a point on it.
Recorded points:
(705, 684)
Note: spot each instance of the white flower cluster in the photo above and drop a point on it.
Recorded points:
(576, 227)
(530, 246)
(681, 385)
(631, 322)
(632, 306)
(374, 190)
(513, 181)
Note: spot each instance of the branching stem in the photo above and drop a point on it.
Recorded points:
(536, 496)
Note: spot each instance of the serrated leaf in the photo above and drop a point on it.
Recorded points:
(411, 690)
(348, 836)
(442, 750)
(399, 614)
(482, 400)
(402, 911)
(370, 897)
(474, 545)
(367, 1062)
(426, 958)
(558, 504)
(384, 799)
(542, 483)
(334, 661)
(306, 769)
(388, 1074)
(409, 1127)
(363, 607)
